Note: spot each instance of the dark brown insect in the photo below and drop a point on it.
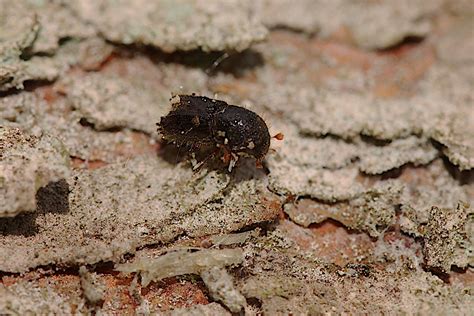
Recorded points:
(197, 121)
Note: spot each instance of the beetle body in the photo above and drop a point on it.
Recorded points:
(197, 121)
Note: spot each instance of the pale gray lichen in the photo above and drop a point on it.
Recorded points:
(210, 309)
(116, 204)
(57, 22)
(370, 23)
(379, 159)
(459, 36)
(449, 238)
(322, 184)
(281, 295)
(372, 211)
(289, 279)
(53, 22)
(456, 134)
(316, 153)
(31, 29)
(28, 298)
(334, 137)
(42, 68)
(331, 292)
(149, 95)
(333, 153)
(18, 30)
(349, 115)
(93, 291)
(320, 168)
(433, 187)
(28, 28)
(221, 288)
(165, 266)
(174, 25)
(108, 102)
(89, 53)
(283, 13)
(26, 111)
(28, 163)
(233, 239)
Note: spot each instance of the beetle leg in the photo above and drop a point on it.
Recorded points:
(198, 165)
(233, 161)
(226, 158)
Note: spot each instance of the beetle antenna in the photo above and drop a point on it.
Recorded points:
(217, 62)
(279, 136)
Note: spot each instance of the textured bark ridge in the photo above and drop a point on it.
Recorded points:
(365, 207)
